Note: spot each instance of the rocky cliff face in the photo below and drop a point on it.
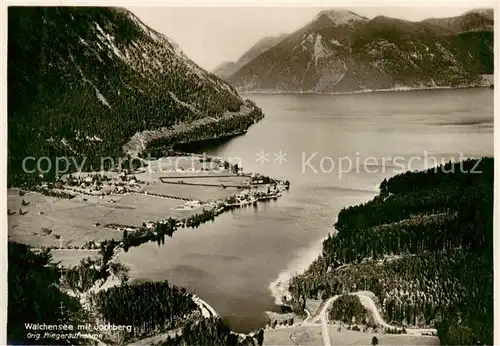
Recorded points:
(227, 69)
(83, 81)
(340, 51)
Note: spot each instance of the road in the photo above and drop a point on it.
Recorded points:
(368, 303)
(206, 309)
(324, 320)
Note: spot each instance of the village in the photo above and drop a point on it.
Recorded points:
(81, 210)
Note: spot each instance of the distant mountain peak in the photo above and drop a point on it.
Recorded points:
(226, 69)
(341, 51)
(486, 12)
(340, 16)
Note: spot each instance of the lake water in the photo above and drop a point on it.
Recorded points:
(231, 262)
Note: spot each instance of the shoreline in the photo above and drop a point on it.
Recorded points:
(140, 141)
(365, 91)
(297, 266)
(207, 310)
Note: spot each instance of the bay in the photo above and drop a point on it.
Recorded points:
(335, 150)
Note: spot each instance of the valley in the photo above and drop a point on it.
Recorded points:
(152, 201)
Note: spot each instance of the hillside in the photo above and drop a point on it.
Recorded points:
(226, 69)
(475, 20)
(83, 81)
(41, 292)
(423, 246)
(340, 51)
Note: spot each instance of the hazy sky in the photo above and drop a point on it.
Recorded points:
(212, 35)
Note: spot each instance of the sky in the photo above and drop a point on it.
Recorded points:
(212, 35)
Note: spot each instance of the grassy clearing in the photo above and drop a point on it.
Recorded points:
(348, 337)
(50, 221)
(135, 209)
(313, 305)
(185, 164)
(212, 180)
(71, 258)
(42, 221)
(202, 193)
(309, 335)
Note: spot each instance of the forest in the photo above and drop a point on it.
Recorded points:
(212, 331)
(37, 295)
(34, 296)
(349, 309)
(423, 246)
(151, 307)
(225, 126)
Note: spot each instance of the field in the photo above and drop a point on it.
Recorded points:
(183, 165)
(348, 337)
(201, 193)
(313, 305)
(50, 221)
(179, 163)
(208, 179)
(125, 200)
(188, 169)
(306, 336)
(71, 258)
(311, 335)
(135, 209)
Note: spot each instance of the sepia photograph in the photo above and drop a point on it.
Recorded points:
(253, 174)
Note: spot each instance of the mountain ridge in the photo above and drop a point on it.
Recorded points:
(352, 53)
(226, 69)
(77, 74)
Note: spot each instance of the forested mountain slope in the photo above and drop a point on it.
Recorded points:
(82, 81)
(41, 293)
(340, 51)
(424, 246)
(475, 20)
(226, 69)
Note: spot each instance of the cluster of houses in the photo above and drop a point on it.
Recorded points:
(255, 194)
(99, 184)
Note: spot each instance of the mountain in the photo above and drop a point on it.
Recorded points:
(340, 51)
(226, 69)
(475, 20)
(83, 81)
(486, 12)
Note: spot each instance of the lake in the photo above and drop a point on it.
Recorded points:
(335, 150)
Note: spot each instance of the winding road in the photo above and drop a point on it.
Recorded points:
(368, 303)
(324, 320)
(206, 309)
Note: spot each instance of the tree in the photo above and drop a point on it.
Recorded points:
(260, 337)
(383, 188)
(374, 341)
